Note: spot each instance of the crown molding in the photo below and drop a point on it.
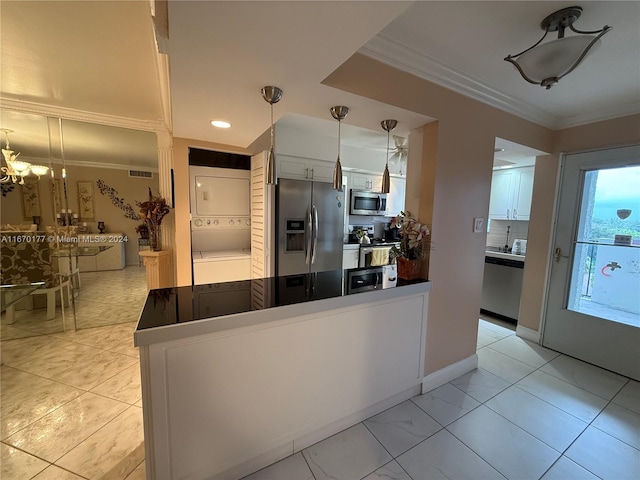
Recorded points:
(618, 111)
(81, 115)
(406, 58)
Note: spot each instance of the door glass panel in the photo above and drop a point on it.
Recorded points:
(605, 278)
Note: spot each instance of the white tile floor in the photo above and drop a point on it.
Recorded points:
(527, 412)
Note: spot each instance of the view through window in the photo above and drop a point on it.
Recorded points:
(605, 278)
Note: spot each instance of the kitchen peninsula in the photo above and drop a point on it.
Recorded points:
(238, 375)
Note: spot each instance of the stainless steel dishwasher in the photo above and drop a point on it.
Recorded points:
(501, 287)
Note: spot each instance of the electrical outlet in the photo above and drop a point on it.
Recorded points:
(478, 225)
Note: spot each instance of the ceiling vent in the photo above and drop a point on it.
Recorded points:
(140, 174)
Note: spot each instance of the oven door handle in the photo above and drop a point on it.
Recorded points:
(308, 234)
(315, 233)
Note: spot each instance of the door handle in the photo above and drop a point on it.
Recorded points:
(306, 172)
(312, 173)
(558, 253)
(508, 214)
(378, 203)
(307, 233)
(315, 233)
(515, 214)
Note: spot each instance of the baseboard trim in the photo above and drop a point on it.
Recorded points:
(451, 372)
(528, 334)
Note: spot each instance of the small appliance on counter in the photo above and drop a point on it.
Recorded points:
(519, 247)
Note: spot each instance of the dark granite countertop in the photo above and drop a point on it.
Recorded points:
(177, 305)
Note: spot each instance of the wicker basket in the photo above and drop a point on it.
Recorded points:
(409, 269)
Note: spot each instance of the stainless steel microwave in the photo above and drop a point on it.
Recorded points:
(367, 203)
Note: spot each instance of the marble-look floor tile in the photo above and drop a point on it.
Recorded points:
(524, 351)
(9, 332)
(56, 473)
(443, 456)
(61, 430)
(502, 365)
(391, 471)
(352, 453)
(629, 396)
(445, 404)
(15, 464)
(620, 423)
(402, 427)
(29, 398)
(112, 452)
(565, 469)
(487, 337)
(573, 400)
(614, 460)
(15, 352)
(124, 386)
(294, 467)
(553, 426)
(505, 446)
(498, 326)
(593, 379)
(480, 384)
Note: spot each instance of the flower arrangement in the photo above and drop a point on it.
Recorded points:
(414, 237)
(152, 212)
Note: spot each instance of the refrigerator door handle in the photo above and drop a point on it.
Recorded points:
(308, 233)
(315, 234)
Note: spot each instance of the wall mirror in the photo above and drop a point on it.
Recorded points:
(73, 231)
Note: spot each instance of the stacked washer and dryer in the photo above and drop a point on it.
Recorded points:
(220, 224)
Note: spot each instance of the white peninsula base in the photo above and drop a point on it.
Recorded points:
(223, 399)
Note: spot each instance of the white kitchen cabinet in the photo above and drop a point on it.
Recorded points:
(299, 168)
(511, 192)
(366, 181)
(350, 256)
(395, 197)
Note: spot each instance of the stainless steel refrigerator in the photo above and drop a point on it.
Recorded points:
(310, 224)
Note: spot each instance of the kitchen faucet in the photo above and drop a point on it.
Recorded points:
(506, 244)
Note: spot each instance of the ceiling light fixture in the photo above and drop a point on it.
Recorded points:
(271, 95)
(338, 112)
(16, 170)
(546, 64)
(387, 125)
(220, 124)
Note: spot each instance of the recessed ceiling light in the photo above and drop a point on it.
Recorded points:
(220, 124)
(496, 150)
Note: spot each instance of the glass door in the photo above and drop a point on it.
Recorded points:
(593, 300)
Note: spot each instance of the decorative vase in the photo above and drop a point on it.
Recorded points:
(154, 238)
(408, 269)
(101, 227)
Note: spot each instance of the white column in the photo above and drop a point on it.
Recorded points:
(165, 165)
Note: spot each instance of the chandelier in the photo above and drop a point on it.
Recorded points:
(16, 170)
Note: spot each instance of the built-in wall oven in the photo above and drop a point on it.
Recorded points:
(367, 203)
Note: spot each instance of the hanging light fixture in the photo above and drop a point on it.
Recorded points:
(545, 64)
(16, 170)
(271, 95)
(387, 125)
(338, 112)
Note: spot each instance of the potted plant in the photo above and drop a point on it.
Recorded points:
(414, 245)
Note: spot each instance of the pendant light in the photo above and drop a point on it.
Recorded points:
(387, 125)
(338, 112)
(271, 95)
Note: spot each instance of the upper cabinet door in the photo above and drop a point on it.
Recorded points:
(500, 205)
(365, 181)
(522, 198)
(511, 192)
(290, 167)
(321, 171)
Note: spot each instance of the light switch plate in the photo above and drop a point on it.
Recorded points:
(478, 225)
